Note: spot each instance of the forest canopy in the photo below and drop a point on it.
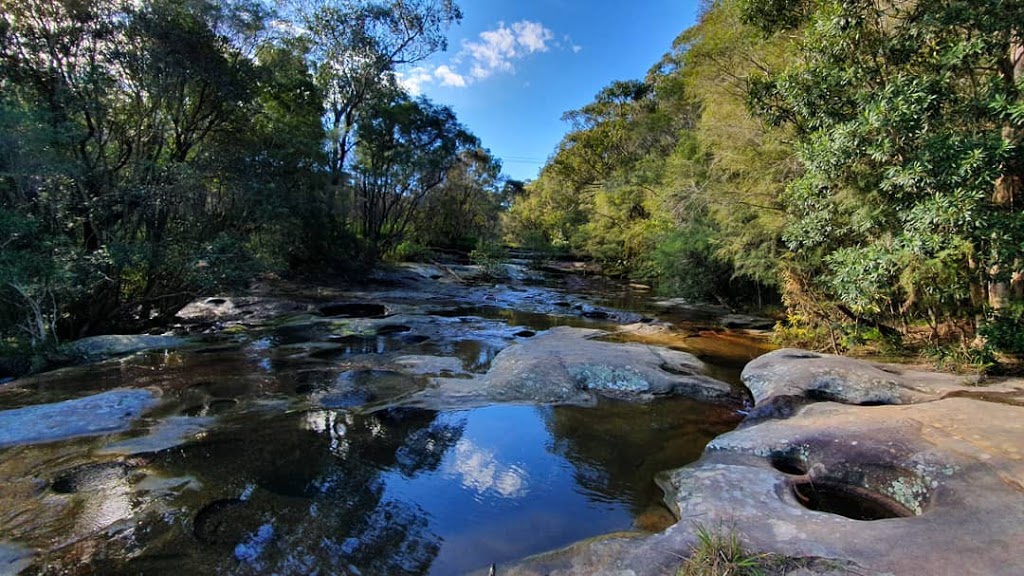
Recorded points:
(153, 151)
(857, 163)
(861, 160)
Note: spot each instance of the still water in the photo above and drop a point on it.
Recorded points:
(277, 452)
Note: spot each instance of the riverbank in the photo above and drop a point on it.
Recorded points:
(845, 467)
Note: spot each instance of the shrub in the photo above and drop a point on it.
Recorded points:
(1004, 330)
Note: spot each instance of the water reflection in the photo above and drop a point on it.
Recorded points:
(615, 459)
(481, 472)
(286, 473)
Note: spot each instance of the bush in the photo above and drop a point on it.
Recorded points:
(1004, 330)
(491, 257)
(962, 358)
(720, 553)
(411, 251)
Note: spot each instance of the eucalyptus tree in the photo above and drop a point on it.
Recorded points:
(405, 151)
(908, 116)
(356, 47)
(465, 209)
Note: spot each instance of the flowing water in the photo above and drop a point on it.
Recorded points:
(279, 450)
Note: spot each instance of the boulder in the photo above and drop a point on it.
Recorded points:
(785, 379)
(104, 413)
(569, 366)
(251, 309)
(118, 344)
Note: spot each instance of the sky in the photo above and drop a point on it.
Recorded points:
(513, 67)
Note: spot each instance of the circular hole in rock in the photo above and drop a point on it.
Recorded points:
(221, 405)
(225, 522)
(596, 315)
(792, 464)
(216, 301)
(354, 310)
(848, 501)
(90, 477)
(525, 334)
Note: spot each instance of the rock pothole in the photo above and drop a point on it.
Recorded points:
(847, 500)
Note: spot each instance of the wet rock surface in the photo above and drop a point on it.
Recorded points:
(104, 413)
(118, 344)
(931, 484)
(568, 366)
(291, 429)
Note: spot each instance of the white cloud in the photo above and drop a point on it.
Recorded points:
(499, 47)
(414, 80)
(494, 51)
(449, 77)
(532, 35)
(576, 48)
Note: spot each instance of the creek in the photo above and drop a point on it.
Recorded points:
(282, 445)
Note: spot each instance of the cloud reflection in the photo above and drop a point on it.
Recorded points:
(481, 472)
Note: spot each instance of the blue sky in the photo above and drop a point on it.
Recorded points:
(514, 67)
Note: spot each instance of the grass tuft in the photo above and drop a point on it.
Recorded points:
(721, 553)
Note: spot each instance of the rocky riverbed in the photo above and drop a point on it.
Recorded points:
(428, 421)
(432, 421)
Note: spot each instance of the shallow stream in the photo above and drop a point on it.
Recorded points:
(279, 449)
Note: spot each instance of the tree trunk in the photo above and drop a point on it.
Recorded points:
(1007, 187)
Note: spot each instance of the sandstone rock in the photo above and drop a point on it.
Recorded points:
(118, 344)
(568, 366)
(784, 379)
(422, 365)
(252, 309)
(934, 485)
(104, 413)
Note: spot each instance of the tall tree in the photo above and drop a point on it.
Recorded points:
(406, 150)
(356, 46)
(906, 114)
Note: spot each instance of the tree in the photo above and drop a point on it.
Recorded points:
(406, 149)
(355, 48)
(906, 116)
(464, 210)
(133, 152)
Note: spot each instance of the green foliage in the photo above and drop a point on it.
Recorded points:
(37, 277)
(491, 256)
(153, 151)
(962, 358)
(668, 179)
(688, 267)
(721, 553)
(799, 331)
(900, 114)
(406, 150)
(466, 207)
(1004, 330)
(410, 251)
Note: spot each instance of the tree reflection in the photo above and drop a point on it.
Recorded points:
(618, 447)
(300, 493)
